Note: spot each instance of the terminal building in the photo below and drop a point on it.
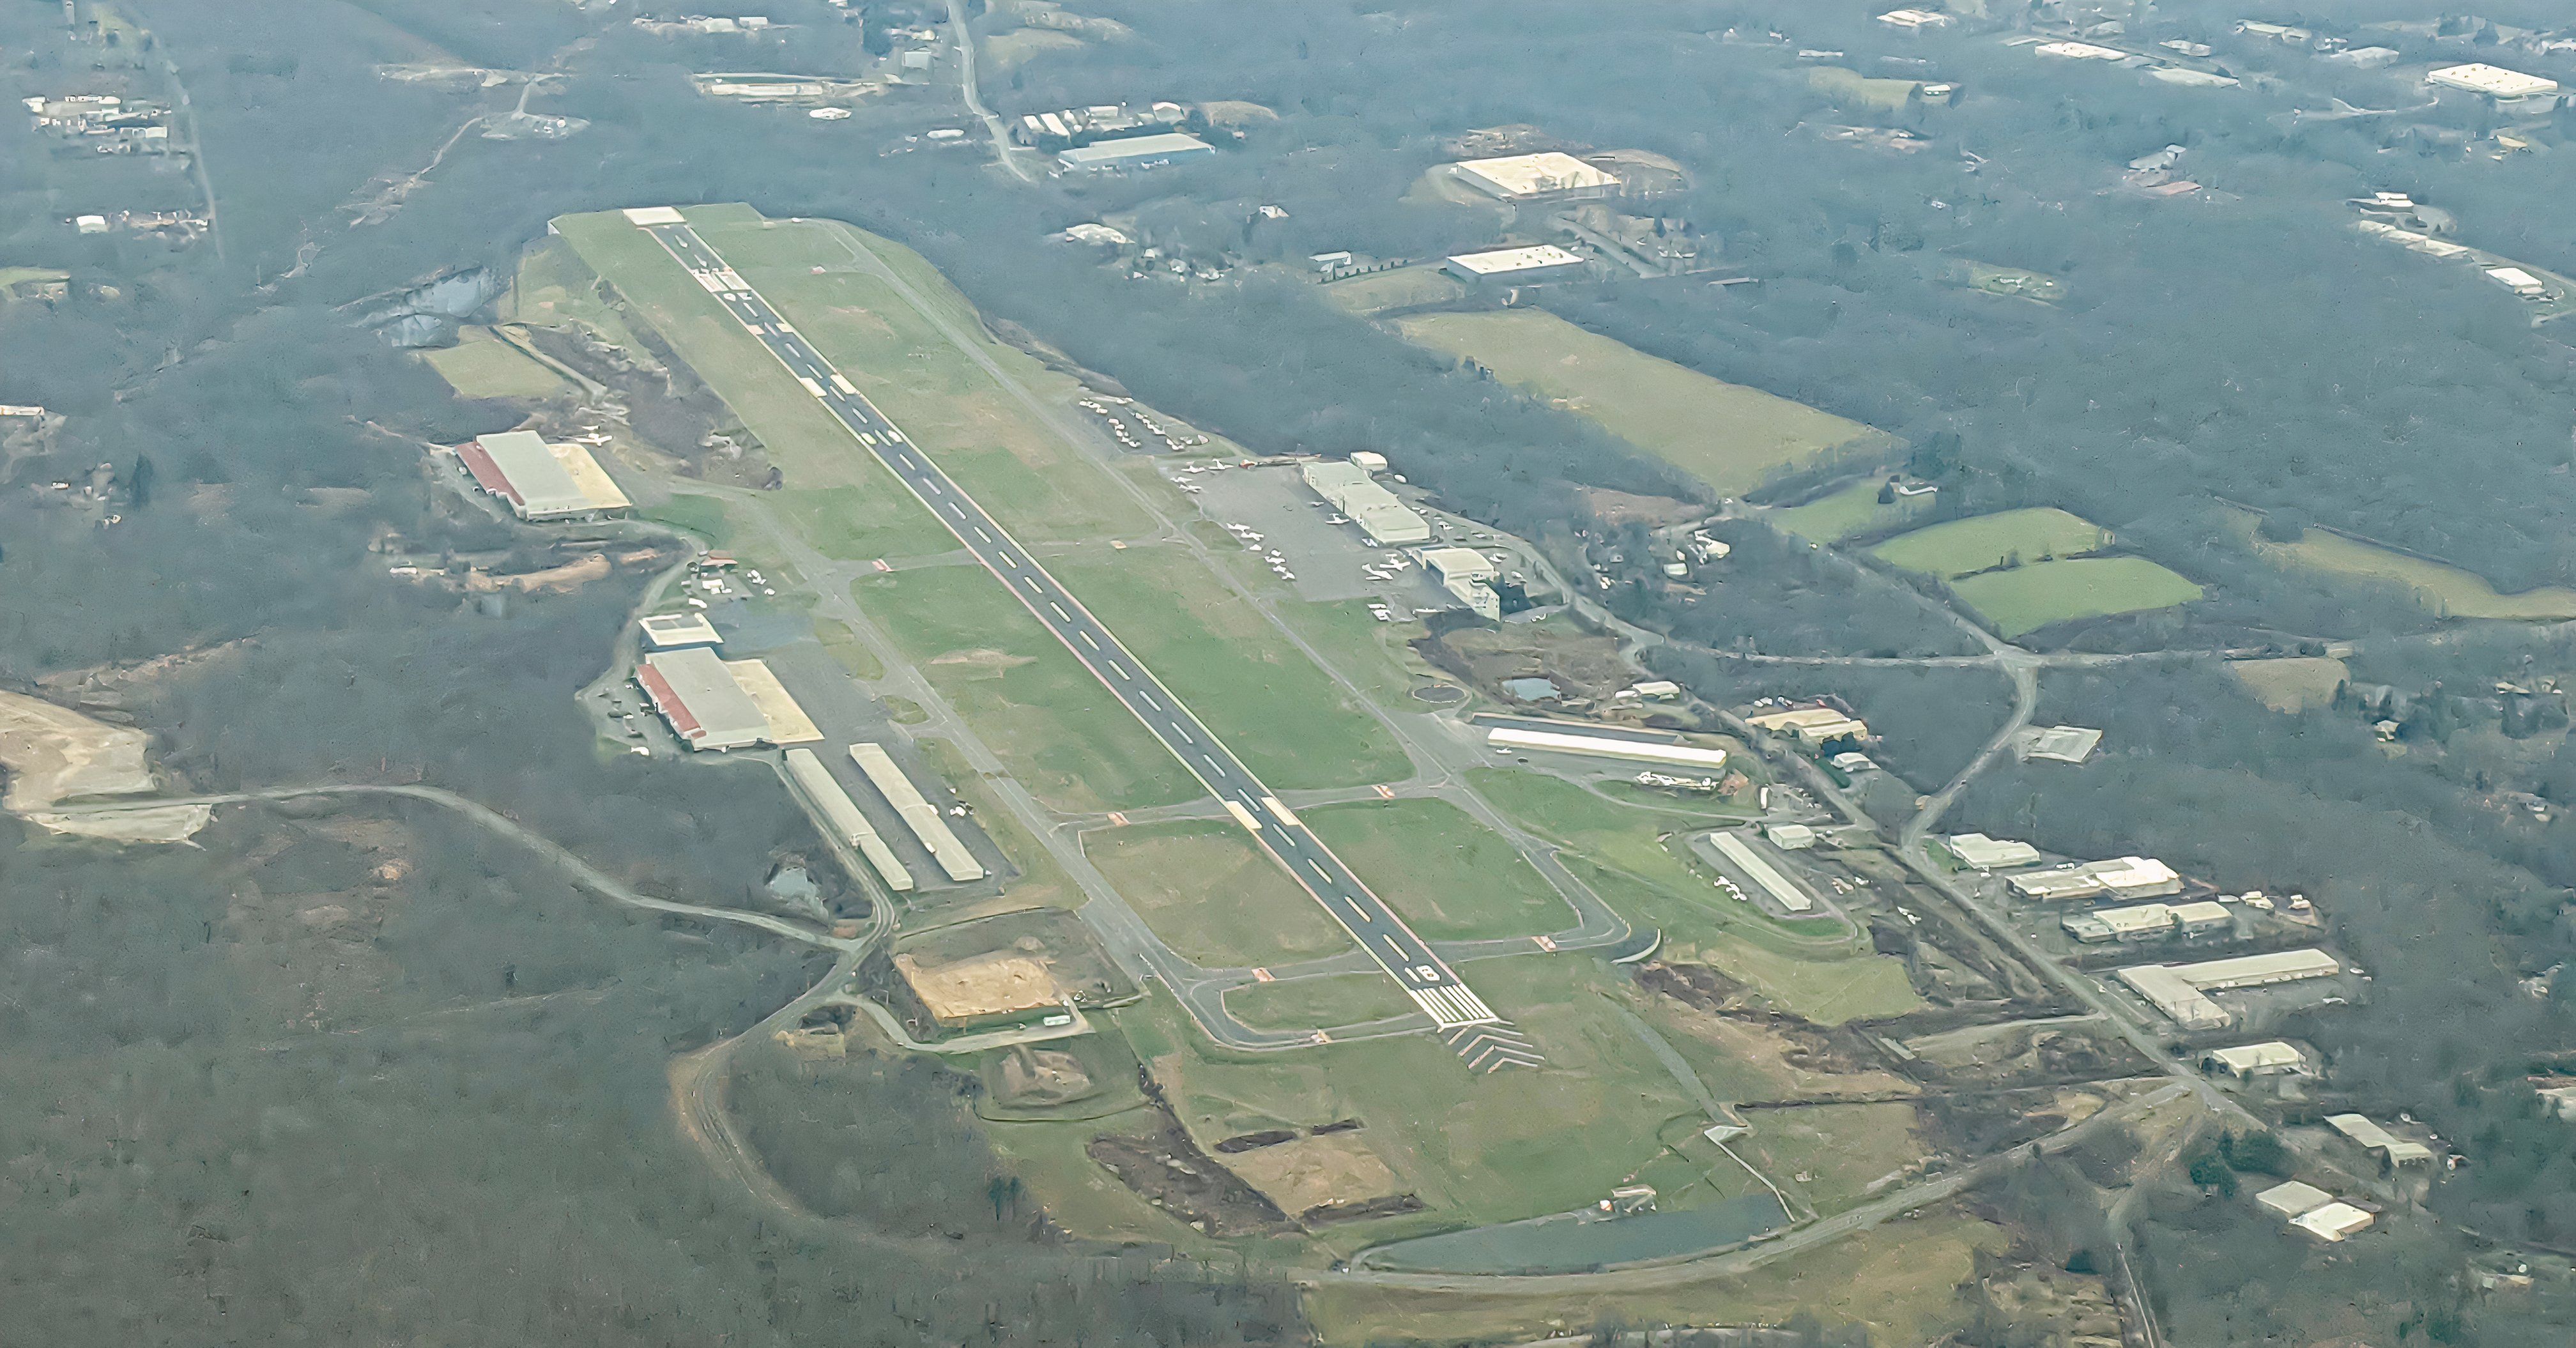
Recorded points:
(1134, 152)
(540, 481)
(1385, 519)
(1516, 266)
(1468, 576)
(2182, 991)
(1551, 176)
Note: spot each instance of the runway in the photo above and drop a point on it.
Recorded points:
(1483, 1038)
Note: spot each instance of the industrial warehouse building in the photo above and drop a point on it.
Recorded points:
(716, 704)
(843, 816)
(1978, 852)
(2149, 921)
(1134, 152)
(918, 814)
(2508, 89)
(1348, 487)
(2122, 878)
(678, 631)
(1551, 176)
(2182, 991)
(541, 481)
(1567, 738)
(1516, 266)
(2390, 1150)
(1743, 855)
(1811, 726)
(2247, 1061)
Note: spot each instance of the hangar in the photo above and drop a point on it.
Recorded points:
(540, 481)
(697, 695)
(1551, 176)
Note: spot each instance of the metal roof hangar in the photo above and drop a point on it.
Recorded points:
(541, 481)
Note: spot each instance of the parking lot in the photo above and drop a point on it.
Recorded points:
(1269, 511)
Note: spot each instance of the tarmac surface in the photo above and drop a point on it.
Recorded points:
(1455, 1009)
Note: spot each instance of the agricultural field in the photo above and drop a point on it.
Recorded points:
(1060, 731)
(481, 365)
(1447, 876)
(1965, 547)
(1284, 716)
(1215, 896)
(2447, 590)
(2029, 597)
(2292, 684)
(1845, 511)
(1403, 288)
(1726, 435)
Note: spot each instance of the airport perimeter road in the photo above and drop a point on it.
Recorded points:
(1455, 1010)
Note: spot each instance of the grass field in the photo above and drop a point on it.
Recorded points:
(555, 287)
(704, 516)
(2034, 596)
(2292, 684)
(1062, 733)
(1841, 1149)
(1961, 547)
(1841, 513)
(1402, 288)
(483, 366)
(1442, 872)
(1213, 895)
(811, 449)
(1319, 1003)
(2447, 590)
(1369, 653)
(1901, 1279)
(1826, 991)
(1285, 717)
(2010, 282)
(1726, 435)
(1477, 1149)
(845, 647)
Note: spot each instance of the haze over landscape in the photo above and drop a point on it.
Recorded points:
(1382, 672)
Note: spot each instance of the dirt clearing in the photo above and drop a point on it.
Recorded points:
(54, 754)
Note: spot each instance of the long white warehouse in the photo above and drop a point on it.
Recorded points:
(1598, 746)
(920, 815)
(1786, 891)
(843, 815)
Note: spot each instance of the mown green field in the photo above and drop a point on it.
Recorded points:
(1961, 547)
(2450, 591)
(1399, 289)
(1839, 514)
(1058, 728)
(2291, 683)
(1855, 90)
(2030, 597)
(1726, 435)
(1446, 875)
(1281, 714)
(1213, 895)
(1320, 1003)
(1476, 1148)
(483, 366)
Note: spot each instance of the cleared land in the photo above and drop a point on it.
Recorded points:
(1062, 733)
(1827, 991)
(1841, 1149)
(1284, 716)
(1728, 436)
(1964, 547)
(483, 366)
(2292, 684)
(1319, 1003)
(2029, 597)
(1852, 89)
(1214, 896)
(1839, 514)
(1446, 875)
(2446, 590)
(52, 754)
(1402, 288)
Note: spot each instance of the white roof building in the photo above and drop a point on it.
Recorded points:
(1377, 511)
(674, 631)
(540, 481)
(2334, 1221)
(2392, 1150)
(2292, 1198)
(2478, 77)
(1537, 262)
(2059, 743)
(2079, 51)
(2120, 878)
(1979, 852)
(1914, 20)
(1459, 564)
(2518, 281)
(697, 695)
(1551, 174)
(2270, 1058)
(1569, 741)
(2182, 991)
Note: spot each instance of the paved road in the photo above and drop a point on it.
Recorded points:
(1453, 1007)
(974, 100)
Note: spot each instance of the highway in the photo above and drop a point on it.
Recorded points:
(1484, 1039)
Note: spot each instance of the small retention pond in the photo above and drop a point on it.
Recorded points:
(1578, 1242)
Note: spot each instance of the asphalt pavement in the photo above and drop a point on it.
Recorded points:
(1481, 1036)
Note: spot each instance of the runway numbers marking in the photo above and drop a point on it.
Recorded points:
(1545, 944)
(881, 565)
(1261, 976)
(1386, 793)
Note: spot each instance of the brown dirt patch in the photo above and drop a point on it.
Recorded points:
(1587, 667)
(1806, 1060)
(1169, 1171)
(982, 660)
(1619, 507)
(1311, 1174)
